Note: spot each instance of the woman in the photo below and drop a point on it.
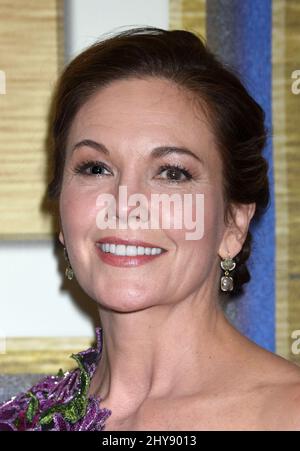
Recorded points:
(153, 111)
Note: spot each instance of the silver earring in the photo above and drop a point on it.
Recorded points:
(227, 264)
(69, 273)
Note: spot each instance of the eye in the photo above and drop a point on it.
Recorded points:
(176, 173)
(91, 168)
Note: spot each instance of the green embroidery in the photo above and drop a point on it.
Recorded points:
(75, 409)
(32, 407)
(60, 373)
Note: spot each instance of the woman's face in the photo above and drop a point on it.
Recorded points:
(131, 118)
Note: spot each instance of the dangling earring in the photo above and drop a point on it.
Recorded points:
(227, 264)
(69, 273)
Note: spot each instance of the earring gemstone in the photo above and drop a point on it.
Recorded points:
(228, 264)
(226, 283)
(69, 273)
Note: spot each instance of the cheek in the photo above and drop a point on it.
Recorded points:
(78, 213)
(213, 212)
(202, 227)
(213, 223)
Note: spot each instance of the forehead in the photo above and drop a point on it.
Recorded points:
(143, 112)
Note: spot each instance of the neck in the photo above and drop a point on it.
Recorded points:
(149, 353)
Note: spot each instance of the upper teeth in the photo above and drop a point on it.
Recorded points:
(122, 249)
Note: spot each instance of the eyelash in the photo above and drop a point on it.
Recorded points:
(178, 167)
(82, 167)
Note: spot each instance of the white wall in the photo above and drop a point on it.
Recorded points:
(34, 299)
(87, 20)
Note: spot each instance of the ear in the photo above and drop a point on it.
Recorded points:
(61, 238)
(236, 231)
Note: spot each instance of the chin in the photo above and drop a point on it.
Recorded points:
(125, 300)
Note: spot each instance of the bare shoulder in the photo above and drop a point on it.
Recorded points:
(278, 388)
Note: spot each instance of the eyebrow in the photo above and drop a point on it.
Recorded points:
(157, 152)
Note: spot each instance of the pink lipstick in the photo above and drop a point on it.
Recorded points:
(127, 253)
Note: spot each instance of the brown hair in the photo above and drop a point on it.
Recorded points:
(179, 56)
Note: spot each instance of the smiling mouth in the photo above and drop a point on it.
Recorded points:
(129, 250)
(127, 255)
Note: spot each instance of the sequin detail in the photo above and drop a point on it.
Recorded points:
(61, 402)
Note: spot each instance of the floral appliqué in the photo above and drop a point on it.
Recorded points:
(61, 402)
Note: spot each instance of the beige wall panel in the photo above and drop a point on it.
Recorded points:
(30, 55)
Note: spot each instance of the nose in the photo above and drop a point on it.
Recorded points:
(131, 198)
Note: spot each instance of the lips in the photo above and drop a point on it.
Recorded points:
(126, 260)
(115, 240)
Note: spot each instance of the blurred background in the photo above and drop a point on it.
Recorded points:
(43, 317)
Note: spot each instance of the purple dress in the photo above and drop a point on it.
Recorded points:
(61, 402)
